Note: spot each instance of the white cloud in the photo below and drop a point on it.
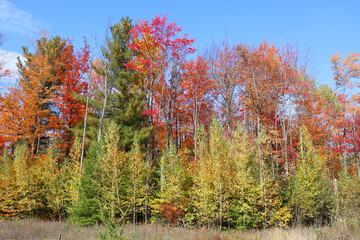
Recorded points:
(8, 61)
(13, 19)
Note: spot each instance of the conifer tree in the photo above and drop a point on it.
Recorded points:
(125, 97)
(85, 192)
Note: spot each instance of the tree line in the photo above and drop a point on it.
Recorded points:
(239, 136)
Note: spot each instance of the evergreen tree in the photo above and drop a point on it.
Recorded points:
(126, 97)
(86, 202)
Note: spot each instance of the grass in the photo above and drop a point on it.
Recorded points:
(37, 229)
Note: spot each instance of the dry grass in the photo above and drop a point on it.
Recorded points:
(36, 229)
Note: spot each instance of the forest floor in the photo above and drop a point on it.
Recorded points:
(37, 229)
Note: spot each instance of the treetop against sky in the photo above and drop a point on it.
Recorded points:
(319, 29)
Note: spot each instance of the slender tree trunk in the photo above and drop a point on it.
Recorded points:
(356, 151)
(195, 120)
(277, 148)
(344, 153)
(301, 139)
(220, 190)
(336, 197)
(169, 127)
(285, 146)
(134, 203)
(259, 151)
(150, 124)
(84, 134)
(104, 105)
(176, 134)
(290, 124)
(36, 142)
(162, 176)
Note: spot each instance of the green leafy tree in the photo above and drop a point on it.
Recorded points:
(19, 193)
(115, 200)
(170, 202)
(52, 180)
(139, 173)
(8, 188)
(214, 180)
(311, 196)
(245, 192)
(347, 198)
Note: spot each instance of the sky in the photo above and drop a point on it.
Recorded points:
(317, 28)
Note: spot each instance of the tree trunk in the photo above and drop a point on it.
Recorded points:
(104, 105)
(134, 203)
(356, 151)
(285, 146)
(84, 134)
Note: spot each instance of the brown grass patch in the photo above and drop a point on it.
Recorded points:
(37, 229)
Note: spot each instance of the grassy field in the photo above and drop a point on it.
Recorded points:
(36, 229)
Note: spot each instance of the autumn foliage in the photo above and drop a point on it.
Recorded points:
(241, 136)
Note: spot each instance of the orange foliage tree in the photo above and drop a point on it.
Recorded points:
(27, 117)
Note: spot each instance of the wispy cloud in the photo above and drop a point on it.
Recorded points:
(13, 19)
(8, 61)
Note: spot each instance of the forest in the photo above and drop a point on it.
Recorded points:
(153, 131)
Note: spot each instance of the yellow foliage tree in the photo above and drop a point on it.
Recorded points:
(115, 201)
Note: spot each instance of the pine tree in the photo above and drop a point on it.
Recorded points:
(85, 192)
(125, 97)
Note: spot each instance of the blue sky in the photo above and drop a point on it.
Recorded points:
(319, 29)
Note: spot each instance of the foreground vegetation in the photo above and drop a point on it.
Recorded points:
(37, 229)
